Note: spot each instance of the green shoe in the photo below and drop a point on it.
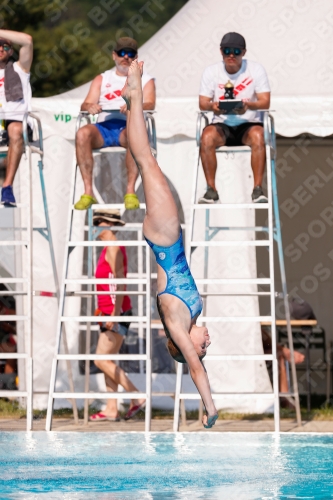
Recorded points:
(131, 201)
(85, 202)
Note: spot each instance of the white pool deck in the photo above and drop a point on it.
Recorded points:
(165, 425)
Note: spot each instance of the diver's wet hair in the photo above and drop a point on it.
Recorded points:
(173, 349)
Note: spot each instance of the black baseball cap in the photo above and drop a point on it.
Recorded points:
(233, 39)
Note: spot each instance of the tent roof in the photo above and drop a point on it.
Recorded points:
(290, 38)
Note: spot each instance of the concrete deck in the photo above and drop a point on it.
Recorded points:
(165, 425)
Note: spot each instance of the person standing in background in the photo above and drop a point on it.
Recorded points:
(113, 264)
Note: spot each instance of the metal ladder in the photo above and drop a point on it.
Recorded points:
(26, 283)
(143, 280)
(274, 233)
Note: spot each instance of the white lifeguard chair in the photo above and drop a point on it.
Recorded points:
(22, 242)
(273, 231)
(141, 279)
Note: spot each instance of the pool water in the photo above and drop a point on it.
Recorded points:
(212, 466)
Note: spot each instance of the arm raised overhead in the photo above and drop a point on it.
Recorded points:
(26, 50)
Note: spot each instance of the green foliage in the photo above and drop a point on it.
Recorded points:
(73, 39)
(10, 409)
(23, 15)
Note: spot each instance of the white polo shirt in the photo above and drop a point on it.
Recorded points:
(250, 80)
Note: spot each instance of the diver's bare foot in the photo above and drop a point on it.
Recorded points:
(133, 85)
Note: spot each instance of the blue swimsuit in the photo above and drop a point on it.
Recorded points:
(180, 282)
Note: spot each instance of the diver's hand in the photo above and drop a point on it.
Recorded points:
(209, 420)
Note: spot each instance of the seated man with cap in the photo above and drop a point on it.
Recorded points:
(110, 129)
(15, 100)
(242, 126)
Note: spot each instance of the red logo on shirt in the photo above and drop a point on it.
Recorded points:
(2, 81)
(241, 86)
(113, 95)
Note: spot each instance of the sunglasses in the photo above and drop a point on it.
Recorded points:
(5, 46)
(126, 52)
(230, 50)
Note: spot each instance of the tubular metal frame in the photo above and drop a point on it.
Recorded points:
(30, 148)
(274, 232)
(144, 279)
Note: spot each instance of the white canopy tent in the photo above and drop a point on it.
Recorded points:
(292, 41)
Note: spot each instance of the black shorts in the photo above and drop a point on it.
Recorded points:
(234, 135)
(123, 327)
(8, 122)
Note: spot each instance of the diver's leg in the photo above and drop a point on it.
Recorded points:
(161, 224)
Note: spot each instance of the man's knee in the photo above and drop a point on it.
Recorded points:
(15, 132)
(256, 136)
(85, 136)
(210, 137)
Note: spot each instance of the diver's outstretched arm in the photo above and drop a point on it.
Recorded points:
(197, 372)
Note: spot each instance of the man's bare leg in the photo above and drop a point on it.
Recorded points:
(15, 150)
(212, 138)
(254, 137)
(132, 169)
(87, 139)
(161, 223)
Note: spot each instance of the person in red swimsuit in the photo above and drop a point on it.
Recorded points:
(113, 264)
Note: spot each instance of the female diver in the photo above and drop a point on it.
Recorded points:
(178, 300)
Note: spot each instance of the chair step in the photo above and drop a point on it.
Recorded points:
(99, 395)
(104, 357)
(233, 149)
(15, 243)
(12, 317)
(94, 243)
(226, 206)
(115, 149)
(223, 395)
(233, 319)
(105, 281)
(119, 206)
(13, 394)
(103, 319)
(13, 280)
(231, 281)
(239, 243)
(18, 205)
(239, 357)
(14, 355)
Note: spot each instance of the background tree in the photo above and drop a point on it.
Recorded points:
(73, 39)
